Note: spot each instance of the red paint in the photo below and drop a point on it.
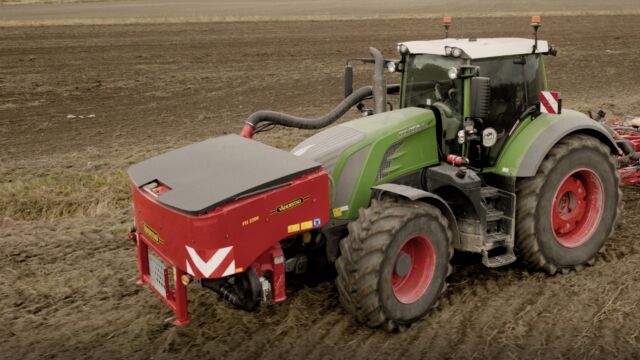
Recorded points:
(160, 189)
(176, 298)
(577, 207)
(247, 131)
(550, 102)
(409, 287)
(272, 261)
(628, 168)
(247, 225)
(629, 175)
(456, 160)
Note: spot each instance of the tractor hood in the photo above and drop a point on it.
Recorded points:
(372, 150)
(207, 174)
(327, 146)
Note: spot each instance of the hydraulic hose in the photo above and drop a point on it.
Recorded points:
(287, 120)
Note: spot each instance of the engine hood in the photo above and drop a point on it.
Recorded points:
(326, 146)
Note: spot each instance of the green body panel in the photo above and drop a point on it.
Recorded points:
(534, 138)
(544, 74)
(516, 148)
(415, 128)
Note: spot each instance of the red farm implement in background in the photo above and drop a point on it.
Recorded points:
(626, 132)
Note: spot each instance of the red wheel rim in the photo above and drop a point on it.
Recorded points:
(413, 269)
(577, 207)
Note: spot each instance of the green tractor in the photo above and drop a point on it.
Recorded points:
(469, 162)
(479, 157)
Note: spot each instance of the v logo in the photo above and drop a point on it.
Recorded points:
(208, 267)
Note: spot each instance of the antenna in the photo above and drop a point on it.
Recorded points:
(446, 23)
(535, 24)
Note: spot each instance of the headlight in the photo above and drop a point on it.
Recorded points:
(391, 66)
(452, 51)
(453, 73)
(489, 137)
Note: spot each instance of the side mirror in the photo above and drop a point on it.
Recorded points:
(348, 80)
(480, 97)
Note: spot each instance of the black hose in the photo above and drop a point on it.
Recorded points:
(306, 123)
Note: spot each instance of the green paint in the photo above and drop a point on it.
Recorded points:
(414, 127)
(519, 143)
(544, 74)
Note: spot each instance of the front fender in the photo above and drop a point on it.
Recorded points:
(412, 193)
(531, 142)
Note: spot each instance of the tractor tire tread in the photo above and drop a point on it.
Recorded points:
(528, 189)
(363, 250)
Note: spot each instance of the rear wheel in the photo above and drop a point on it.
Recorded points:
(569, 209)
(394, 263)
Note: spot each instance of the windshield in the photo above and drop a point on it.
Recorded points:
(426, 82)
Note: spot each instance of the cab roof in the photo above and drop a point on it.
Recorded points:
(477, 48)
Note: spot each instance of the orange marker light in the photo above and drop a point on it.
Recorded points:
(446, 20)
(535, 20)
(185, 279)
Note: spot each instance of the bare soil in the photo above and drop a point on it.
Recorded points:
(79, 104)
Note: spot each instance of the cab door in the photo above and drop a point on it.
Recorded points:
(515, 85)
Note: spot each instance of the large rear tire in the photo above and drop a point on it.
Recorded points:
(394, 263)
(567, 211)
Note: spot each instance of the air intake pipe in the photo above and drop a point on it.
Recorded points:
(379, 91)
(304, 123)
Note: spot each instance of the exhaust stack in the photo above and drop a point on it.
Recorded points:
(379, 82)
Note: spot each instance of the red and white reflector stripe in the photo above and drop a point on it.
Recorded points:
(221, 263)
(550, 102)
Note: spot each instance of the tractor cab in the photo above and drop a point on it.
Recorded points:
(446, 75)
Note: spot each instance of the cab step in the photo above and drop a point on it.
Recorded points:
(498, 260)
(495, 240)
(494, 214)
(488, 192)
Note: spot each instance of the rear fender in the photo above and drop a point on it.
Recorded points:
(412, 193)
(526, 149)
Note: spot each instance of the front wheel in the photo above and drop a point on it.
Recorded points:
(569, 209)
(394, 263)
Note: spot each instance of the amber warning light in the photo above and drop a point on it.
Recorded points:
(535, 20)
(446, 23)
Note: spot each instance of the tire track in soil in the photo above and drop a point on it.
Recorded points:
(88, 294)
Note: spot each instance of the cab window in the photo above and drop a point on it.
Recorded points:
(515, 85)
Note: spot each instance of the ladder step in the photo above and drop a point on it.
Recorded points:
(499, 260)
(488, 191)
(497, 237)
(494, 240)
(493, 214)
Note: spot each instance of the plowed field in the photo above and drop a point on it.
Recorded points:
(79, 104)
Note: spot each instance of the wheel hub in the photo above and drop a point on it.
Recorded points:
(403, 264)
(577, 207)
(413, 269)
